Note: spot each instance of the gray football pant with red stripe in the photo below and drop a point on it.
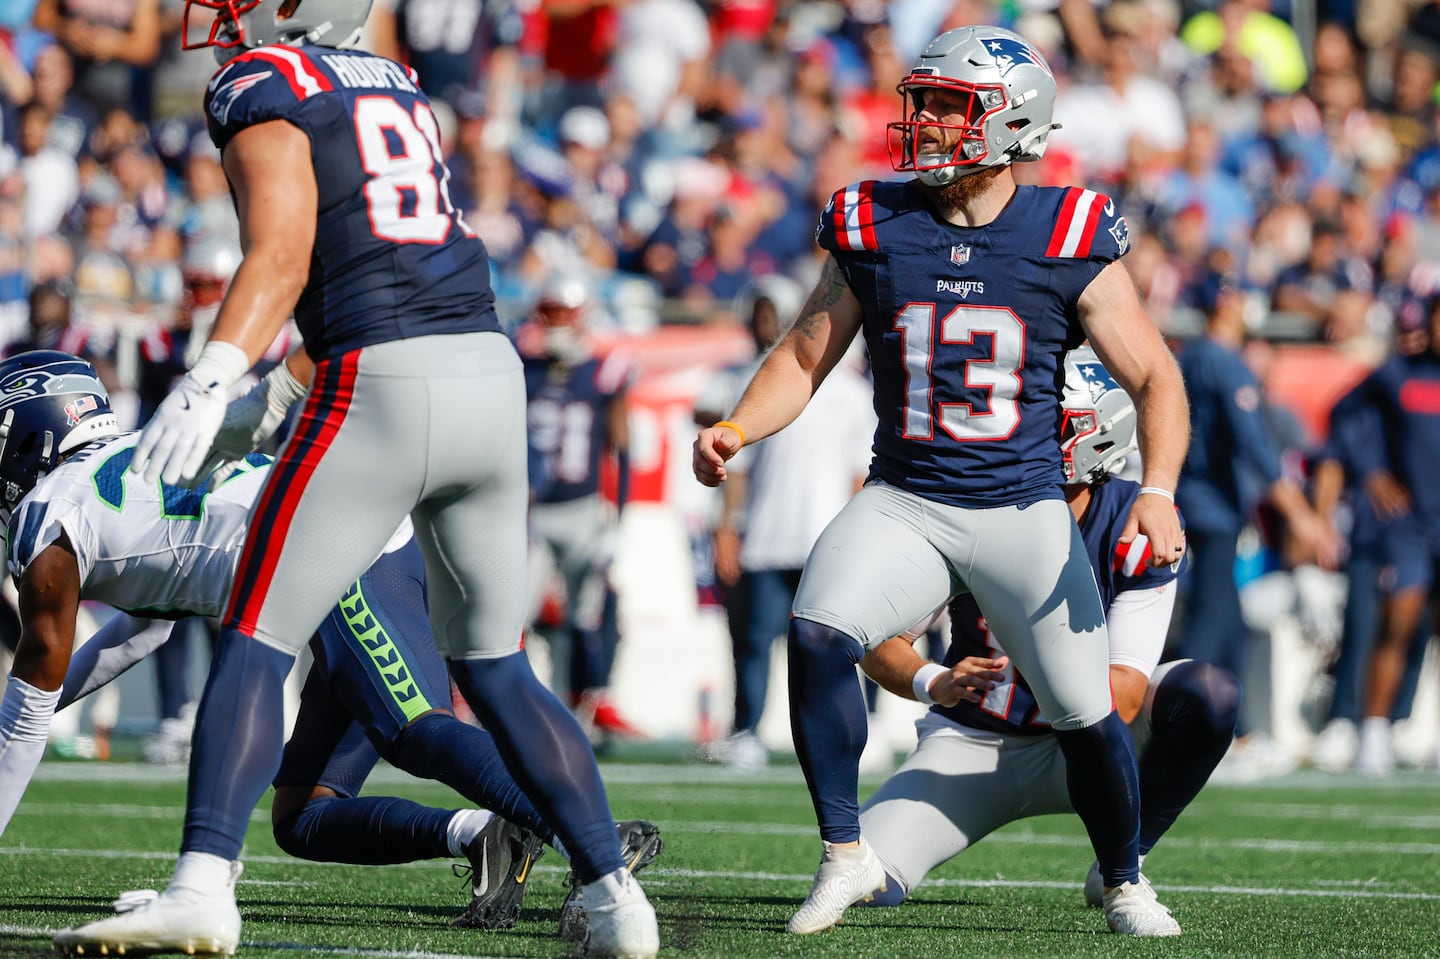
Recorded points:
(891, 558)
(432, 427)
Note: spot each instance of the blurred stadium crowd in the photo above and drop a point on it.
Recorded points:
(669, 153)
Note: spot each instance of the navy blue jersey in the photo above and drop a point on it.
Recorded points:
(1406, 390)
(1010, 707)
(966, 328)
(392, 259)
(1356, 441)
(567, 424)
(1228, 436)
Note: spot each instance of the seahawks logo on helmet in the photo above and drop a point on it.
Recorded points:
(42, 383)
(1010, 53)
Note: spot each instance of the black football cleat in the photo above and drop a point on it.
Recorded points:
(501, 858)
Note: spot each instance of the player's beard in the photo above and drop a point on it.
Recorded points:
(958, 195)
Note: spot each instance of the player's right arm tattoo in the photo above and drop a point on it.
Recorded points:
(829, 291)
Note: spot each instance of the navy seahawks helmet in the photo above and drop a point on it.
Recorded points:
(1097, 421)
(51, 403)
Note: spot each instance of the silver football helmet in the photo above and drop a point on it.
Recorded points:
(1097, 422)
(1008, 95)
(240, 25)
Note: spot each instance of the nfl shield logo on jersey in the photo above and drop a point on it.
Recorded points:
(960, 255)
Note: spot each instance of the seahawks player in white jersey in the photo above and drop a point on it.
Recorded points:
(83, 526)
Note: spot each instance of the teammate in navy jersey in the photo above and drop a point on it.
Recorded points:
(968, 289)
(577, 420)
(985, 756)
(1344, 481)
(1232, 445)
(1404, 392)
(416, 407)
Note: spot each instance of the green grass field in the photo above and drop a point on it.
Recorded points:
(1305, 866)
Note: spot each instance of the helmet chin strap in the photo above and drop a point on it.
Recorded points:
(946, 175)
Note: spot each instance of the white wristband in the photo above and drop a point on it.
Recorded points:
(220, 365)
(282, 389)
(924, 676)
(1158, 491)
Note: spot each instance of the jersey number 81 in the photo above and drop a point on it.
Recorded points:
(407, 177)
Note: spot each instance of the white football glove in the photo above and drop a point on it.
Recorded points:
(250, 420)
(176, 441)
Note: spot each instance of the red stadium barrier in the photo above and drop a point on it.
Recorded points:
(672, 365)
(1309, 379)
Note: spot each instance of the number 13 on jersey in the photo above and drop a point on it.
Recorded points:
(996, 374)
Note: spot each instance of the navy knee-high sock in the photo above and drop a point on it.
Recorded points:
(1192, 721)
(239, 734)
(369, 831)
(464, 758)
(1102, 779)
(547, 752)
(828, 722)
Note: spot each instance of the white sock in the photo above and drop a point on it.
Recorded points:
(464, 826)
(203, 872)
(24, 725)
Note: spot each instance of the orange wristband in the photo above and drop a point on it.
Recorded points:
(735, 427)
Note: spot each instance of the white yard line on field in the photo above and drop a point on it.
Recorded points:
(293, 947)
(661, 875)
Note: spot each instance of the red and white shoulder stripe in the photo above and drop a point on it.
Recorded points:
(1132, 557)
(615, 373)
(854, 217)
(304, 77)
(1077, 223)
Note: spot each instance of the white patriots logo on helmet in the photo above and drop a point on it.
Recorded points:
(1010, 53)
(224, 99)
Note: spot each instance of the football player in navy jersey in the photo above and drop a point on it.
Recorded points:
(416, 406)
(985, 757)
(1404, 392)
(968, 289)
(1232, 445)
(577, 419)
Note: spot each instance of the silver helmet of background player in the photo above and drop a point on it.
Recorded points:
(1009, 96)
(1097, 424)
(560, 309)
(239, 25)
(51, 403)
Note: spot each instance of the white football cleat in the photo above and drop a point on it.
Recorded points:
(1132, 910)
(619, 921)
(846, 876)
(1095, 886)
(1375, 755)
(1335, 748)
(177, 920)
